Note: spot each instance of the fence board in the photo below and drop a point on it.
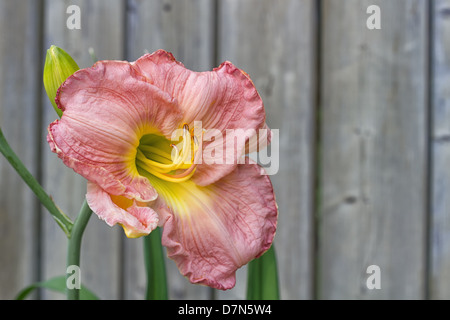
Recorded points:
(440, 224)
(101, 29)
(19, 91)
(374, 149)
(275, 43)
(373, 138)
(184, 28)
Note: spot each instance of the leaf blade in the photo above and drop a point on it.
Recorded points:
(57, 284)
(262, 280)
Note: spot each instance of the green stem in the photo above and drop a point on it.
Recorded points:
(63, 221)
(74, 248)
(155, 267)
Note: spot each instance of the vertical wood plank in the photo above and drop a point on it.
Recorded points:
(102, 29)
(440, 219)
(374, 149)
(275, 43)
(184, 28)
(19, 107)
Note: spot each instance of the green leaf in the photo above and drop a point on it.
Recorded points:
(57, 284)
(262, 280)
(155, 267)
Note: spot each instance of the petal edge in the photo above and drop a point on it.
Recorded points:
(217, 236)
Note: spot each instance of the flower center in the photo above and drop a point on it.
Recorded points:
(162, 158)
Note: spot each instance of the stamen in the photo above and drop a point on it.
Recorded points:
(185, 174)
(186, 144)
(164, 176)
(189, 172)
(156, 151)
(159, 166)
(177, 155)
(165, 166)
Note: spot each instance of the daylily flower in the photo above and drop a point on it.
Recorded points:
(116, 131)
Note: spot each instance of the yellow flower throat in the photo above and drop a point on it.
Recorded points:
(160, 157)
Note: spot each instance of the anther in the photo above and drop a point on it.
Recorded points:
(195, 140)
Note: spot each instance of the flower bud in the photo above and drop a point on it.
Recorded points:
(59, 65)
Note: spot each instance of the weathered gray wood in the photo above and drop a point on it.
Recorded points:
(19, 107)
(275, 43)
(184, 28)
(440, 213)
(373, 138)
(102, 29)
(373, 149)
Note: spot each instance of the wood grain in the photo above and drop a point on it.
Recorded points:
(440, 183)
(101, 260)
(373, 150)
(275, 43)
(19, 107)
(380, 155)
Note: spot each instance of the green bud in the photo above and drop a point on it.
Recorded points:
(59, 65)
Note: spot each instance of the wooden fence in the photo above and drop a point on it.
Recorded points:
(364, 119)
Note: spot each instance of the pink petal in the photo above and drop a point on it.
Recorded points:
(222, 99)
(261, 141)
(136, 220)
(212, 231)
(107, 109)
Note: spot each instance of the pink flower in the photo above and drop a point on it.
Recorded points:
(117, 131)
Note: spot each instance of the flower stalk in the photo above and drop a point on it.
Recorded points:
(155, 267)
(63, 221)
(74, 247)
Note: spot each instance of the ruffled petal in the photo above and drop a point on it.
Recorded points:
(222, 99)
(260, 141)
(136, 220)
(107, 109)
(212, 231)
